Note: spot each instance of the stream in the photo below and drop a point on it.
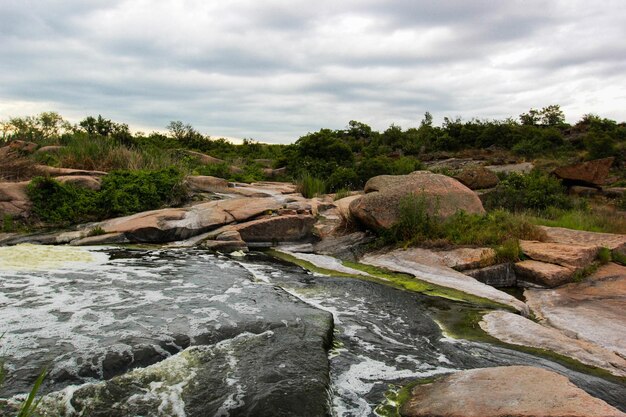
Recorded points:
(258, 336)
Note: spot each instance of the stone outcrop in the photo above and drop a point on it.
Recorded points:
(517, 330)
(51, 149)
(289, 228)
(205, 159)
(572, 256)
(593, 173)
(206, 184)
(508, 391)
(405, 261)
(14, 201)
(17, 148)
(521, 168)
(81, 181)
(542, 273)
(57, 172)
(577, 237)
(592, 310)
(477, 178)
(379, 207)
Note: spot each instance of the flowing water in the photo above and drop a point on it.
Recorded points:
(91, 314)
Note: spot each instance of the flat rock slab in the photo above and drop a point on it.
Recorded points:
(592, 310)
(290, 228)
(404, 261)
(57, 172)
(517, 330)
(521, 168)
(509, 391)
(206, 183)
(542, 273)
(576, 237)
(565, 254)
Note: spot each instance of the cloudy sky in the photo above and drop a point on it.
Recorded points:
(274, 70)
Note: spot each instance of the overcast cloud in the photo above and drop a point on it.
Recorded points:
(275, 70)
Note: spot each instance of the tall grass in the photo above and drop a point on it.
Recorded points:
(310, 186)
(593, 219)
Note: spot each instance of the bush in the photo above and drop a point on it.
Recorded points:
(121, 193)
(58, 203)
(536, 191)
(342, 178)
(310, 186)
(127, 192)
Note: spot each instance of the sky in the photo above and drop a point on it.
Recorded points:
(275, 70)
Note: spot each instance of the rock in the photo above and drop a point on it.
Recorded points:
(568, 255)
(206, 184)
(462, 259)
(235, 169)
(224, 246)
(379, 208)
(81, 181)
(276, 172)
(583, 191)
(477, 178)
(614, 192)
(543, 273)
(404, 261)
(14, 200)
(592, 310)
(517, 330)
(343, 205)
(521, 168)
(104, 239)
(575, 237)
(205, 159)
(17, 148)
(52, 149)
(276, 229)
(501, 275)
(593, 173)
(57, 172)
(452, 164)
(506, 391)
(247, 208)
(347, 247)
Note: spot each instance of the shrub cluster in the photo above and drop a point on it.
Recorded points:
(121, 193)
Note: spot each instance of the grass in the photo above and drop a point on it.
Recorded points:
(341, 193)
(592, 219)
(309, 186)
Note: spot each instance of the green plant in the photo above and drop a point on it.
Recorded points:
(58, 203)
(618, 257)
(29, 406)
(341, 193)
(604, 255)
(96, 231)
(508, 251)
(310, 186)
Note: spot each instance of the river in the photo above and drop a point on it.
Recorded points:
(258, 326)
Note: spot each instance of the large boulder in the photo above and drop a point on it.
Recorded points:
(379, 208)
(511, 391)
(592, 173)
(290, 228)
(17, 148)
(477, 178)
(14, 200)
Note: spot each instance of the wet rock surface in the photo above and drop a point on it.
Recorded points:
(514, 391)
(592, 310)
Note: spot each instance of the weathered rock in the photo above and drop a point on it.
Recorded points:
(404, 261)
(247, 208)
(17, 148)
(206, 184)
(583, 191)
(205, 159)
(81, 181)
(477, 178)
(568, 255)
(517, 330)
(592, 173)
(521, 168)
(379, 208)
(501, 275)
(276, 172)
(508, 391)
(576, 237)
(591, 310)
(104, 239)
(347, 247)
(452, 164)
(52, 149)
(462, 259)
(343, 205)
(614, 192)
(224, 245)
(542, 273)
(14, 200)
(57, 172)
(276, 229)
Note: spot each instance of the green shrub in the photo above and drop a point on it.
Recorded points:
(508, 251)
(127, 192)
(604, 255)
(57, 203)
(342, 178)
(310, 186)
(96, 231)
(536, 191)
(341, 193)
(618, 257)
(417, 220)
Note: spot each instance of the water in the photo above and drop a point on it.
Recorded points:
(103, 312)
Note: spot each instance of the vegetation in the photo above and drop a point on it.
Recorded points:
(310, 186)
(121, 193)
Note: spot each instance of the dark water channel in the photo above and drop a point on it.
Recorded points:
(134, 308)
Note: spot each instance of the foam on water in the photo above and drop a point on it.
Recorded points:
(29, 257)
